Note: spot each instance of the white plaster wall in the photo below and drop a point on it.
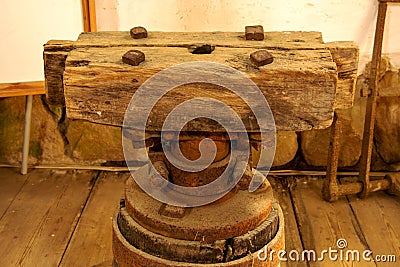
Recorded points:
(25, 25)
(337, 19)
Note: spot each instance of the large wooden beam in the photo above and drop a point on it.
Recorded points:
(54, 56)
(306, 82)
(273, 40)
(345, 55)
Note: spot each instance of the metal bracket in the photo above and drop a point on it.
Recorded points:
(370, 115)
(332, 190)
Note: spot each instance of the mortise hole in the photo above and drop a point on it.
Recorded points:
(79, 63)
(202, 49)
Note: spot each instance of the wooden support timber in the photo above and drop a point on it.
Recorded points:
(306, 82)
(89, 15)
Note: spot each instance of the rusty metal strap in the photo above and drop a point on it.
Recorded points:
(370, 115)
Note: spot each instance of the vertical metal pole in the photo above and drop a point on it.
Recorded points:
(27, 132)
(370, 114)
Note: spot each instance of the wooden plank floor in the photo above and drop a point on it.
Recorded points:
(63, 218)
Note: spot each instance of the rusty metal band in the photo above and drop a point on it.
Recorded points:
(126, 255)
(198, 251)
(243, 212)
(370, 114)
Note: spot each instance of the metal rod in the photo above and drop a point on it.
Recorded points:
(330, 187)
(125, 169)
(368, 135)
(357, 187)
(27, 132)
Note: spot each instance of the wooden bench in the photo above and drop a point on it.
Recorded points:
(27, 89)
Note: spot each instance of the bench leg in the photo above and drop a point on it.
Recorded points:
(27, 131)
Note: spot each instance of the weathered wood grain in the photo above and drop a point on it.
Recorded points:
(54, 56)
(273, 40)
(379, 216)
(345, 55)
(322, 223)
(370, 223)
(11, 183)
(53, 234)
(37, 225)
(91, 242)
(21, 89)
(299, 85)
(292, 234)
(98, 54)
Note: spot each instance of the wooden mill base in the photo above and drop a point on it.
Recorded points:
(229, 232)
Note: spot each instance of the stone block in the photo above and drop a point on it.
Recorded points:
(387, 123)
(93, 142)
(315, 143)
(387, 129)
(46, 142)
(286, 149)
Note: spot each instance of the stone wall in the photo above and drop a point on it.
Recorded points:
(57, 140)
(314, 144)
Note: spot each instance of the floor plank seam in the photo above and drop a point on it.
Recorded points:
(79, 217)
(15, 196)
(357, 224)
(296, 217)
(40, 201)
(32, 239)
(358, 228)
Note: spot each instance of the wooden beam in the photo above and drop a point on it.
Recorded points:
(89, 15)
(92, 15)
(100, 72)
(22, 89)
(85, 14)
(54, 55)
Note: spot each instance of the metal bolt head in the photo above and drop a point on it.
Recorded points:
(254, 32)
(133, 57)
(138, 32)
(202, 49)
(261, 58)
